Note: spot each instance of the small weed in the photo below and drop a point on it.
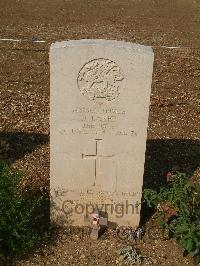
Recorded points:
(20, 215)
(132, 256)
(178, 210)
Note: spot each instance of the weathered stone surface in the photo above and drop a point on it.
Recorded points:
(100, 92)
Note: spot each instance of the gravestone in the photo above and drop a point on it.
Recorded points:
(100, 94)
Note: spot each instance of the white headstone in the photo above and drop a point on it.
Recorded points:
(100, 93)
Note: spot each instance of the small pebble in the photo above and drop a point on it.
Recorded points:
(154, 261)
(122, 257)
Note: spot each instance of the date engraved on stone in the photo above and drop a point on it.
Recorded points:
(100, 79)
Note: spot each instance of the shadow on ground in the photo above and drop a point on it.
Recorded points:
(161, 154)
(164, 155)
(14, 145)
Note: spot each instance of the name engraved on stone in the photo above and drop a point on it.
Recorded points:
(85, 110)
(100, 79)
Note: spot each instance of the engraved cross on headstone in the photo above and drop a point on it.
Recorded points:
(97, 158)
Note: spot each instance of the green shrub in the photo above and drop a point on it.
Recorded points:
(178, 210)
(20, 215)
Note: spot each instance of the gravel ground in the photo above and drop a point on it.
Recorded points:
(174, 122)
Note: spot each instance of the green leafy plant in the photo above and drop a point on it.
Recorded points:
(178, 210)
(20, 215)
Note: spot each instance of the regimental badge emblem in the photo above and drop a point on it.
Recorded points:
(100, 80)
